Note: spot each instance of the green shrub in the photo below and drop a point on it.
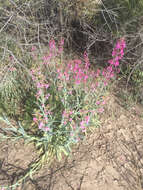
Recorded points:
(16, 86)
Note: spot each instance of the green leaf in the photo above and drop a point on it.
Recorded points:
(59, 155)
(30, 174)
(21, 131)
(38, 144)
(65, 151)
(11, 129)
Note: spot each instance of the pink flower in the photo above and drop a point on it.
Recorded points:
(47, 58)
(118, 45)
(101, 110)
(85, 77)
(105, 83)
(87, 119)
(41, 125)
(96, 84)
(47, 129)
(33, 78)
(103, 73)
(116, 63)
(77, 82)
(39, 92)
(98, 102)
(103, 102)
(35, 119)
(65, 122)
(111, 62)
(118, 52)
(122, 52)
(109, 68)
(114, 53)
(48, 112)
(52, 45)
(70, 119)
(71, 112)
(82, 124)
(60, 50)
(33, 48)
(62, 42)
(47, 96)
(46, 86)
(64, 114)
(39, 85)
(12, 69)
(97, 72)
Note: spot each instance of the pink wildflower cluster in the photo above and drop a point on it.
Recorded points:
(84, 123)
(79, 72)
(67, 116)
(42, 119)
(40, 81)
(42, 95)
(117, 54)
(76, 70)
(100, 103)
(12, 69)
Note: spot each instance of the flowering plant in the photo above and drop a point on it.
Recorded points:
(66, 96)
(69, 98)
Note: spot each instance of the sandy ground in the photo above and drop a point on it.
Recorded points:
(110, 159)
